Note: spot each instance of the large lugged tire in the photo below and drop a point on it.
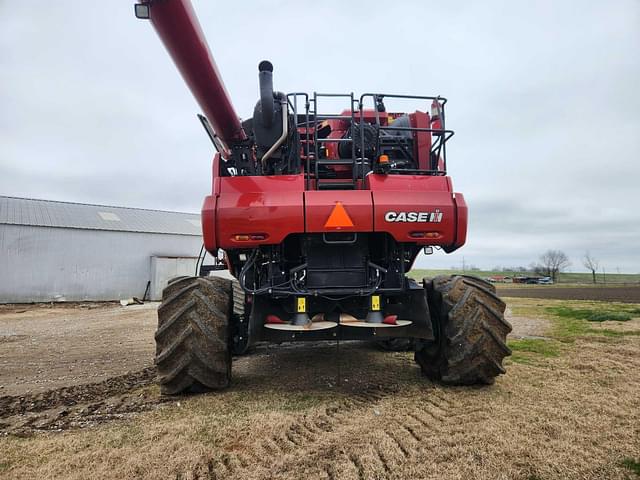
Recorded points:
(471, 332)
(192, 340)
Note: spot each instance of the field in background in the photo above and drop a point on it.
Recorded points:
(564, 278)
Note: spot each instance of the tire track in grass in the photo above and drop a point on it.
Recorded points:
(359, 466)
(401, 447)
(383, 459)
(361, 448)
(306, 433)
(403, 437)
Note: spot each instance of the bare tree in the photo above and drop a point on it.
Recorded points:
(553, 262)
(537, 268)
(591, 264)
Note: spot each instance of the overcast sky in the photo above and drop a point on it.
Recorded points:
(544, 99)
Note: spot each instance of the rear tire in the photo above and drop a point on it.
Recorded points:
(470, 330)
(175, 279)
(192, 340)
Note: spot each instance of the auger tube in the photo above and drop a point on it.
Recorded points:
(178, 28)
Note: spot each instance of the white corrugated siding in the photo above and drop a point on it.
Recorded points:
(41, 264)
(49, 213)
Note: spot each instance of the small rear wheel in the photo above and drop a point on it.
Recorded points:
(192, 340)
(470, 330)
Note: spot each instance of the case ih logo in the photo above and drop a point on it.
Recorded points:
(414, 217)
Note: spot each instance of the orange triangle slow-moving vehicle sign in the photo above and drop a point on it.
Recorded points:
(339, 218)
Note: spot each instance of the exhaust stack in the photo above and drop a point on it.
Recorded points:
(265, 77)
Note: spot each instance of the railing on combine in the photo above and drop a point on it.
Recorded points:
(319, 142)
(311, 145)
(438, 148)
(292, 98)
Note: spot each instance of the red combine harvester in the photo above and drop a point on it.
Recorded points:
(319, 217)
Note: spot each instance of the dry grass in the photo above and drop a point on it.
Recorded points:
(571, 414)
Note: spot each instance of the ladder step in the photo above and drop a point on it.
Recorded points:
(335, 185)
(333, 140)
(334, 117)
(339, 161)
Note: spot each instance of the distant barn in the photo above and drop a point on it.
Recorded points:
(61, 251)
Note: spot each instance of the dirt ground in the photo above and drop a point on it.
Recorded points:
(48, 346)
(626, 294)
(78, 401)
(526, 327)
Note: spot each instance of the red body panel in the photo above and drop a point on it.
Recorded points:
(423, 139)
(430, 212)
(462, 221)
(431, 216)
(320, 204)
(259, 205)
(273, 207)
(408, 183)
(208, 219)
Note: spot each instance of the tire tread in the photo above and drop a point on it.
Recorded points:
(473, 331)
(192, 339)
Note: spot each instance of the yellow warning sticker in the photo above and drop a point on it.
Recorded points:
(375, 303)
(302, 305)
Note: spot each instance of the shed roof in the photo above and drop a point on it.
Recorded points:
(49, 213)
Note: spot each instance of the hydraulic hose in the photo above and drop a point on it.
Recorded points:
(285, 130)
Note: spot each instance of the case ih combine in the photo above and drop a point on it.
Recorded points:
(319, 216)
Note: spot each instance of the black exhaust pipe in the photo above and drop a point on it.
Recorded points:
(265, 77)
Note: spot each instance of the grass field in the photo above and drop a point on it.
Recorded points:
(564, 278)
(570, 321)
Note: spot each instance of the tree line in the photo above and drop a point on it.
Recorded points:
(552, 262)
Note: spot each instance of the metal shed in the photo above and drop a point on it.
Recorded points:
(62, 251)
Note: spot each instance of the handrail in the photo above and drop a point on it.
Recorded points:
(313, 119)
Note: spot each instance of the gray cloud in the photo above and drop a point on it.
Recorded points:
(543, 97)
